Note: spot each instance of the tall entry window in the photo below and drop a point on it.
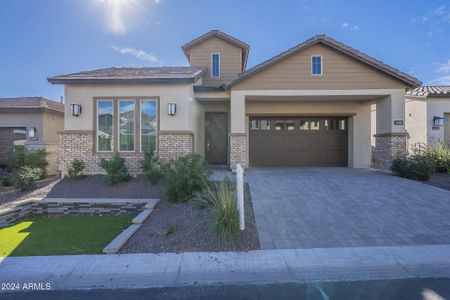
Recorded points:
(149, 125)
(105, 125)
(215, 65)
(126, 125)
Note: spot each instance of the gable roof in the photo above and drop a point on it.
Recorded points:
(133, 75)
(31, 103)
(435, 91)
(221, 35)
(323, 39)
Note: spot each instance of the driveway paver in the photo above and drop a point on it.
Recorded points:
(342, 207)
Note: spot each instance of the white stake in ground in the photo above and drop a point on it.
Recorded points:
(240, 195)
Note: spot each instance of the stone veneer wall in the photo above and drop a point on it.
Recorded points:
(9, 216)
(175, 144)
(80, 145)
(238, 150)
(389, 146)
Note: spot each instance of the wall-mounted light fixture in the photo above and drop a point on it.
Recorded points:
(32, 133)
(438, 121)
(172, 108)
(75, 110)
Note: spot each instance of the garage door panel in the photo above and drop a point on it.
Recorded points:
(322, 142)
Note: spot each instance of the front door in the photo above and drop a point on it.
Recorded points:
(216, 141)
(447, 129)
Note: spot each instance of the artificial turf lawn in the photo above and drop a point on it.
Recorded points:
(51, 235)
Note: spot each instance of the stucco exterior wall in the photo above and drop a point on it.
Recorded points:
(84, 94)
(24, 119)
(436, 107)
(416, 121)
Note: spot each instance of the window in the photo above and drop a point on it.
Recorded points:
(121, 133)
(260, 125)
(215, 65)
(105, 126)
(126, 125)
(314, 125)
(149, 125)
(304, 125)
(279, 125)
(290, 124)
(316, 65)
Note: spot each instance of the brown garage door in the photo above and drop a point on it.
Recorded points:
(8, 135)
(299, 141)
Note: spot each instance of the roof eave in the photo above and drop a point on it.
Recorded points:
(55, 80)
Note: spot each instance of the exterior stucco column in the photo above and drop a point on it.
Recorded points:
(238, 135)
(391, 136)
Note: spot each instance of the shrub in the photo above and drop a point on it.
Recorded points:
(185, 176)
(441, 156)
(419, 167)
(115, 168)
(204, 198)
(8, 180)
(20, 156)
(76, 168)
(151, 167)
(26, 178)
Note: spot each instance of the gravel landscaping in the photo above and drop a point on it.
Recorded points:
(94, 186)
(440, 180)
(8, 194)
(185, 228)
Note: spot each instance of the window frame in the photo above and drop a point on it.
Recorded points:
(118, 125)
(106, 99)
(137, 142)
(218, 66)
(140, 121)
(312, 65)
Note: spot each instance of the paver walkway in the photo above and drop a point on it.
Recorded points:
(342, 207)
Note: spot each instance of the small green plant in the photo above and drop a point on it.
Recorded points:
(76, 168)
(151, 167)
(20, 156)
(8, 180)
(116, 170)
(419, 167)
(223, 198)
(441, 156)
(171, 230)
(185, 176)
(26, 178)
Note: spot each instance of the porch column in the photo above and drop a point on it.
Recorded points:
(391, 136)
(238, 135)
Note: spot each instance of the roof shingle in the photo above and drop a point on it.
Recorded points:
(430, 91)
(31, 103)
(132, 75)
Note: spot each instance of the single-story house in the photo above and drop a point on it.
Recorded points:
(307, 106)
(33, 122)
(427, 115)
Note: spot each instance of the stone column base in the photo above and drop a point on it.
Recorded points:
(389, 146)
(238, 150)
(173, 144)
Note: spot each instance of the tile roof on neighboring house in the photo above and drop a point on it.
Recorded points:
(321, 38)
(31, 103)
(430, 91)
(133, 75)
(222, 35)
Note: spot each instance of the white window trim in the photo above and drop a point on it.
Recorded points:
(118, 125)
(321, 65)
(212, 65)
(96, 137)
(140, 122)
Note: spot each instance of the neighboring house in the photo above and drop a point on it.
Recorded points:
(34, 122)
(308, 106)
(427, 114)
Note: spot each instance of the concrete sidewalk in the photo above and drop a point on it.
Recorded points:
(287, 265)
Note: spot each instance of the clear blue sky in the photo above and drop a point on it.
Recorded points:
(41, 38)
